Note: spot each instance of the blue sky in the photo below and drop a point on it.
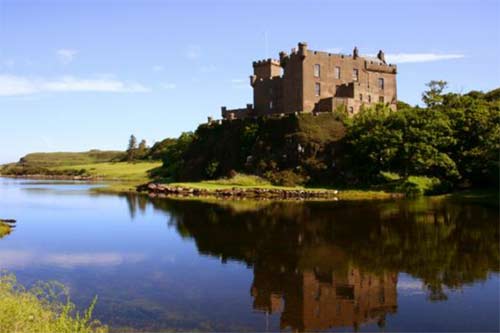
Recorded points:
(76, 75)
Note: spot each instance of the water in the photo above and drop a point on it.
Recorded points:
(421, 265)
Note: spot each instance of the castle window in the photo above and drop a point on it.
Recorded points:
(381, 99)
(355, 74)
(317, 89)
(337, 72)
(361, 97)
(381, 83)
(351, 110)
(270, 104)
(369, 98)
(317, 69)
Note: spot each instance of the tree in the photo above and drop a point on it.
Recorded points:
(143, 145)
(173, 158)
(475, 121)
(433, 97)
(132, 148)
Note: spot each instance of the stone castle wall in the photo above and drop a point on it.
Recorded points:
(314, 81)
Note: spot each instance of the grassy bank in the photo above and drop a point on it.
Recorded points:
(241, 181)
(91, 165)
(38, 310)
(122, 171)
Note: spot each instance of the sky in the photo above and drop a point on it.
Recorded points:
(83, 74)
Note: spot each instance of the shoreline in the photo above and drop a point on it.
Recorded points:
(54, 177)
(261, 193)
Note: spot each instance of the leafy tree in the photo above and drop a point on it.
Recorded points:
(413, 141)
(433, 97)
(142, 149)
(476, 125)
(132, 148)
(173, 159)
(143, 145)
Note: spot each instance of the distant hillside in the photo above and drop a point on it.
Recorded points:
(60, 163)
(71, 158)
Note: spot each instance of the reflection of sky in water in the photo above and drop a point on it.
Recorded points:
(146, 275)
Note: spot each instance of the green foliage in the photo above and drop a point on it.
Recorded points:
(44, 308)
(263, 146)
(476, 125)
(132, 148)
(434, 96)
(286, 178)
(173, 156)
(418, 185)
(240, 180)
(158, 150)
(456, 140)
(211, 169)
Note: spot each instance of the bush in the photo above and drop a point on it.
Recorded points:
(419, 185)
(40, 309)
(238, 179)
(286, 178)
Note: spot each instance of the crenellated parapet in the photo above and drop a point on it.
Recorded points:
(266, 68)
(380, 67)
(266, 62)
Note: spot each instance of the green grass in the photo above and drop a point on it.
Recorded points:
(123, 171)
(241, 182)
(39, 309)
(366, 195)
(71, 158)
(248, 181)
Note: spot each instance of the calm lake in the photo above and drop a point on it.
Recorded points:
(160, 264)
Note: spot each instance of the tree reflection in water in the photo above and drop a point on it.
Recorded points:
(324, 265)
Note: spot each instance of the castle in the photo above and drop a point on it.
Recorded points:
(314, 81)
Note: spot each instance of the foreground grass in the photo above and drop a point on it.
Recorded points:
(40, 310)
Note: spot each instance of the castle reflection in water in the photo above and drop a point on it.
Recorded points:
(311, 301)
(320, 265)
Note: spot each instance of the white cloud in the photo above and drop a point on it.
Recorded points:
(169, 86)
(11, 85)
(158, 68)
(193, 52)
(66, 55)
(238, 81)
(399, 58)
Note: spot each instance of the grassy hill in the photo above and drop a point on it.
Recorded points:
(94, 164)
(71, 158)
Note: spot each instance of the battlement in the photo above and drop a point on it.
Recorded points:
(266, 62)
(380, 67)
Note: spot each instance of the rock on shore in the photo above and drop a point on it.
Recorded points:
(237, 192)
